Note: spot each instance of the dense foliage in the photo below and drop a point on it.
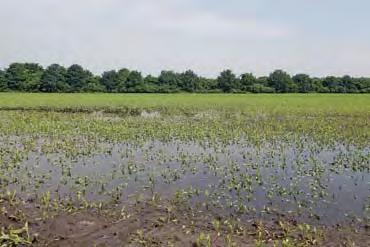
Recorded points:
(31, 77)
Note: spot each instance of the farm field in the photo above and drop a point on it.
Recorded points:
(184, 170)
(284, 104)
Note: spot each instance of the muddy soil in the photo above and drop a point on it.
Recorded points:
(157, 225)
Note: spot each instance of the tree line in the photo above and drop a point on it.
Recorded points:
(31, 77)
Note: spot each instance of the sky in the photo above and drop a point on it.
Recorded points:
(318, 37)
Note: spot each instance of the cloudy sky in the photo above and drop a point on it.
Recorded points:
(318, 37)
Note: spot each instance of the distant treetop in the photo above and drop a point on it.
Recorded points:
(31, 77)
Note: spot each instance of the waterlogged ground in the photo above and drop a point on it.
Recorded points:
(325, 184)
(215, 177)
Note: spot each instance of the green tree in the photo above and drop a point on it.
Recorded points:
(151, 80)
(169, 81)
(3, 82)
(24, 76)
(123, 75)
(227, 81)
(349, 84)
(247, 81)
(77, 78)
(93, 85)
(281, 82)
(31, 77)
(134, 81)
(332, 83)
(110, 80)
(263, 80)
(54, 79)
(303, 83)
(208, 85)
(151, 84)
(318, 86)
(260, 88)
(15, 76)
(190, 82)
(363, 85)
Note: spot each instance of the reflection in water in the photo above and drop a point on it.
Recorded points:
(323, 184)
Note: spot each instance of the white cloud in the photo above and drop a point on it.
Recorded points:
(164, 34)
(186, 21)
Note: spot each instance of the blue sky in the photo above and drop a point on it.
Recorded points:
(318, 37)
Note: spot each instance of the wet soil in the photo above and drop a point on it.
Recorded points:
(146, 224)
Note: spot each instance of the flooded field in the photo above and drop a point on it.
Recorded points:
(328, 184)
(283, 177)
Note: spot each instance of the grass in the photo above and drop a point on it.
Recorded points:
(276, 103)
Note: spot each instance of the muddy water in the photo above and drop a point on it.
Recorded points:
(326, 184)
